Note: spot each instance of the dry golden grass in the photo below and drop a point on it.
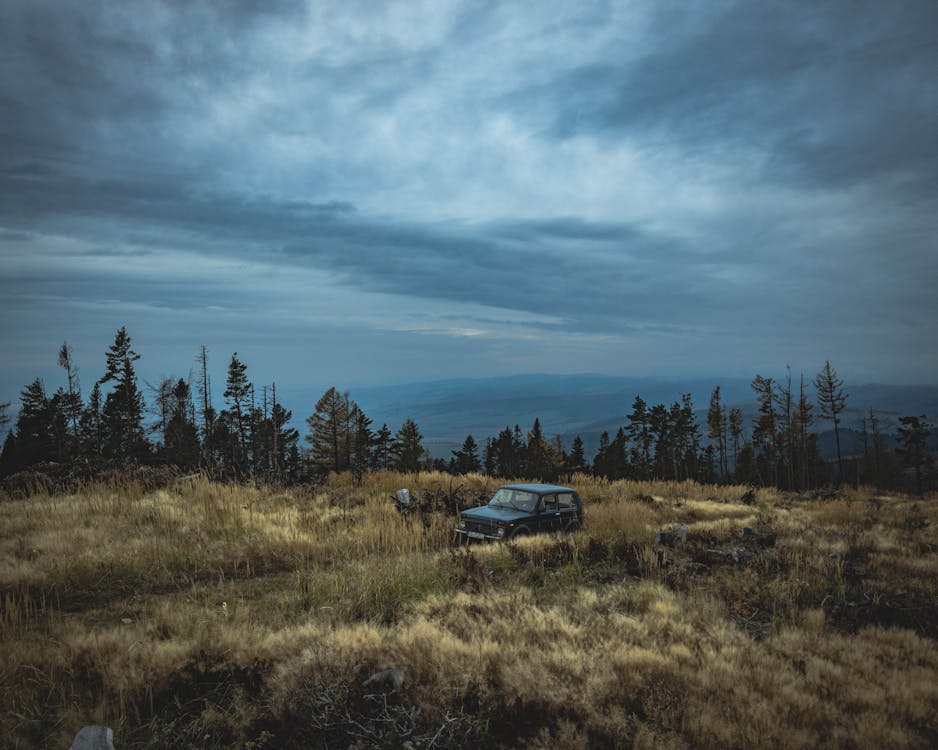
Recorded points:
(209, 615)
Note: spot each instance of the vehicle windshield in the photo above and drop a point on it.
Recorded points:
(517, 499)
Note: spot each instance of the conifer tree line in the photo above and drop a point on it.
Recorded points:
(252, 437)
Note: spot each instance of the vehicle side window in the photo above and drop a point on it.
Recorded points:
(550, 502)
(565, 500)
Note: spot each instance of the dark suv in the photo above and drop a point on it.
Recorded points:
(520, 509)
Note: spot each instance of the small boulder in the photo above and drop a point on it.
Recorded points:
(387, 680)
(93, 738)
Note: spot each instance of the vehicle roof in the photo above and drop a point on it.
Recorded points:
(540, 489)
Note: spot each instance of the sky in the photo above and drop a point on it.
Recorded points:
(363, 193)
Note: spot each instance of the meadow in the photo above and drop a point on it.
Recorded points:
(198, 614)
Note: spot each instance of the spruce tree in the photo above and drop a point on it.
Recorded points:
(382, 447)
(408, 450)
(736, 432)
(284, 439)
(912, 440)
(123, 406)
(181, 437)
(537, 455)
(764, 430)
(576, 460)
(363, 439)
(804, 418)
(601, 467)
(490, 461)
(328, 436)
(35, 431)
(832, 399)
(466, 459)
(238, 390)
(639, 433)
(717, 424)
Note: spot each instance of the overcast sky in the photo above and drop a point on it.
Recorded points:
(359, 193)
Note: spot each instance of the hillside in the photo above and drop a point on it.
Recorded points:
(216, 616)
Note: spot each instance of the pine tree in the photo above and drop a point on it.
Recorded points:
(601, 467)
(181, 437)
(764, 431)
(91, 429)
(804, 418)
(912, 439)
(382, 447)
(466, 459)
(329, 432)
(362, 440)
(785, 419)
(71, 399)
(736, 432)
(640, 435)
(284, 439)
(537, 455)
(408, 450)
(490, 461)
(660, 431)
(35, 432)
(576, 460)
(717, 425)
(832, 399)
(238, 391)
(617, 458)
(123, 406)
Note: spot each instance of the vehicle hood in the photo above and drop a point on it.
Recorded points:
(495, 513)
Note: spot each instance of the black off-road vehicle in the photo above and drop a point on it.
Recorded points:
(520, 509)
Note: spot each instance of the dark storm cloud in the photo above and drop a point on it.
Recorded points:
(835, 92)
(520, 265)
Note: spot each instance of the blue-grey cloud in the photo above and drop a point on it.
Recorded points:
(630, 185)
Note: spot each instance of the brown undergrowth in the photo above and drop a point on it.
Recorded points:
(209, 615)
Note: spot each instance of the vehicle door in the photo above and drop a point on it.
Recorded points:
(566, 510)
(550, 513)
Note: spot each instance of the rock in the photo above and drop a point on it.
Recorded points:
(386, 681)
(93, 738)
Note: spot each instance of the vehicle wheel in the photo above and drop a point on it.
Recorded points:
(522, 532)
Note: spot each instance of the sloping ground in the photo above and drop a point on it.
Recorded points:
(207, 615)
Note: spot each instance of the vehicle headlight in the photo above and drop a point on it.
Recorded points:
(501, 531)
(462, 524)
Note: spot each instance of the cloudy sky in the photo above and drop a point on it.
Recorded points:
(360, 193)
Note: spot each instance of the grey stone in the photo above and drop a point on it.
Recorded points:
(387, 680)
(93, 738)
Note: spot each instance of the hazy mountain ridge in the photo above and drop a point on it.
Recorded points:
(588, 404)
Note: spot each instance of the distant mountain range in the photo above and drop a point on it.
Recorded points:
(586, 405)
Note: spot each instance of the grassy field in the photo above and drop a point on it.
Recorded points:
(207, 615)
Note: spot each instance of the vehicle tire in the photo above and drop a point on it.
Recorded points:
(522, 532)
